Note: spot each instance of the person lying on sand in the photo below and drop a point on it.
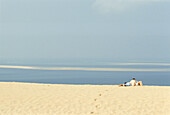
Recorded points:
(136, 83)
(133, 82)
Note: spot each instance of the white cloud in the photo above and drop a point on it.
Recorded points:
(106, 6)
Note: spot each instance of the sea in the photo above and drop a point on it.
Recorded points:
(93, 72)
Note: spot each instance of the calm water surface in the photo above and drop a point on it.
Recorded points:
(85, 77)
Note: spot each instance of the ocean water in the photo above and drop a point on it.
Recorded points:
(100, 77)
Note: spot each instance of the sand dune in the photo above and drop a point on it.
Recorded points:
(153, 64)
(80, 68)
(52, 99)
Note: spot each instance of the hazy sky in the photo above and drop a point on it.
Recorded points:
(116, 29)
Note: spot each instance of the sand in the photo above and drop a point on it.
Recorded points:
(81, 68)
(53, 99)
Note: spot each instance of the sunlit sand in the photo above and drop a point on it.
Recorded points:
(53, 99)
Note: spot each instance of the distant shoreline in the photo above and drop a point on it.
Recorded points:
(82, 68)
(39, 83)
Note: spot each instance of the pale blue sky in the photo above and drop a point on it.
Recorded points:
(115, 29)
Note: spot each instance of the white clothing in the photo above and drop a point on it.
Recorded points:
(137, 84)
(133, 82)
(128, 84)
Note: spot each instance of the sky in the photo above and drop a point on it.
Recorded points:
(114, 29)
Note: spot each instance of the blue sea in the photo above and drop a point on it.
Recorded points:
(160, 78)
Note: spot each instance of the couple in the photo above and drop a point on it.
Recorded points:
(133, 82)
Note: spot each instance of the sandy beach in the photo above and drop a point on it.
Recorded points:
(54, 99)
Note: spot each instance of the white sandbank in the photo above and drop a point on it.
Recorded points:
(54, 99)
(81, 68)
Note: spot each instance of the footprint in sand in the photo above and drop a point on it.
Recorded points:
(100, 94)
(98, 106)
(91, 112)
